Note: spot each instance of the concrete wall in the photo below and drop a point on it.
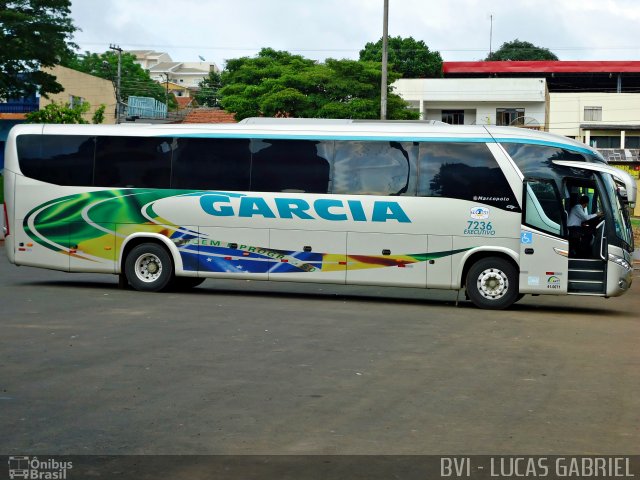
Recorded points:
(567, 110)
(92, 89)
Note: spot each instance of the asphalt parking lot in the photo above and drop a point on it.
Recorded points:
(238, 367)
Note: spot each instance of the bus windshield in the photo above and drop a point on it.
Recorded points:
(619, 212)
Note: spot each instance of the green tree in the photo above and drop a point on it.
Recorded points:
(277, 83)
(407, 56)
(208, 95)
(33, 34)
(520, 50)
(59, 113)
(134, 79)
(98, 115)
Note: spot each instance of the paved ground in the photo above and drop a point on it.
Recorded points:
(266, 368)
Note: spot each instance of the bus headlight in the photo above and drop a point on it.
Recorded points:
(620, 261)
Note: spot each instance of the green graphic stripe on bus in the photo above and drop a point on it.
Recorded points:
(76, 219)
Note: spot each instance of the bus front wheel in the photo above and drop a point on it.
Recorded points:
(149, 267)
(492, 283)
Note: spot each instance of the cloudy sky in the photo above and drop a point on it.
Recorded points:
(459, 29)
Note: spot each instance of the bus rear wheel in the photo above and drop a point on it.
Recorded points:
(149, 267)
(492, 283)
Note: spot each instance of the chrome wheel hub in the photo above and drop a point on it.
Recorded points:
(148, 267)
(493, 284)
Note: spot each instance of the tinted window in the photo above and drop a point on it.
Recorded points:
(58, 159)
(290, 166)
(375, 168)
(543, 206)
(537, 160)
(466, 171)
(211, 164)
(133, 162)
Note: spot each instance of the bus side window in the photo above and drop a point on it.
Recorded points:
(211, 164)
(467, 171)
(133, 162)
(544, 209)
(57, 159)
(375, 168)
(300, 166)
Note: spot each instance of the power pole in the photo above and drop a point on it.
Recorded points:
(385, 46)
(118, 78)
(166, 92)
(490, 34)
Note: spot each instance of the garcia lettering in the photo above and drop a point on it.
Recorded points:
(333, 210)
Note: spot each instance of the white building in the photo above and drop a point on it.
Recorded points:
(163, 69)
(480, 101)
(148, 58)
(601, 119)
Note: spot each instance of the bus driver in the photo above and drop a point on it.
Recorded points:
(579, 228)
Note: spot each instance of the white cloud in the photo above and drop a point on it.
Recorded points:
(459, 29)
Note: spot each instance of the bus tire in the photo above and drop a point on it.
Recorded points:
(182, 284)
(149, 267)
(492, 283)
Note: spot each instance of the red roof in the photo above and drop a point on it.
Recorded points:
(13, 116)
(554, 66)
(209, 115)
(184, 102)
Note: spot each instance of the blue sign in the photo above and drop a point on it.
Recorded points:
(526, 238)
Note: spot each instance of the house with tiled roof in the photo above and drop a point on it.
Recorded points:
(185, 102)
(163, 69)
(148, 58)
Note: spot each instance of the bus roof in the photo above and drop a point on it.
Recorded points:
(322, 129)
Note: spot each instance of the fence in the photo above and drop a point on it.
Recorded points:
(18, 107)
(145, 107)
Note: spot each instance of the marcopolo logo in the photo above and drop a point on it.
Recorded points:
(334, 210)
(37, 469)
(479, 213)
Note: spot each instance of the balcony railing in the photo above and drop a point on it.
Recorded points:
(18, 107)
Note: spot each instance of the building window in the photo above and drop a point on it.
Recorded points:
(453, 117)
(75, 101)
(592, 114)
(510, 116)
(632, 142)
(602, 141)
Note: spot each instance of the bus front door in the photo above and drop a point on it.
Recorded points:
(544, 252)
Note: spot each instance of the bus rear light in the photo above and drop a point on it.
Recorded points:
(5, 229)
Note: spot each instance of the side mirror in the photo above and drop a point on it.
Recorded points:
(623, 192)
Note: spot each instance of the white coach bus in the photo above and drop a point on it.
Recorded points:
(482, 209)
